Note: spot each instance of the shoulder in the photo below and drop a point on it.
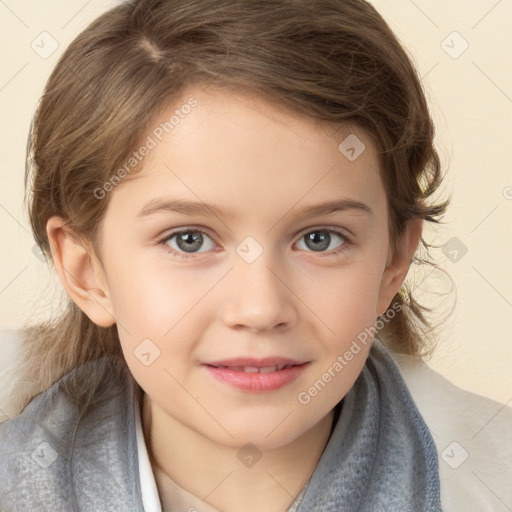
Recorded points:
(74, 436)
(33, 444)
(472, 434)
(12, 390)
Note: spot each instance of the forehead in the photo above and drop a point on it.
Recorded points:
(228, 145)
(249, 110)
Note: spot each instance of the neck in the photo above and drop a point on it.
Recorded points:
(214, 472)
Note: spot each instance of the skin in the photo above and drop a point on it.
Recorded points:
(263, 165)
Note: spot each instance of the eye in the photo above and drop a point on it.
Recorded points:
(187, 241)
(322, 240)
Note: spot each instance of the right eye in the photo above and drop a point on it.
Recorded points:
(186, 241)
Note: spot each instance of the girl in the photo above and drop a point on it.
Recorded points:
(231, 194)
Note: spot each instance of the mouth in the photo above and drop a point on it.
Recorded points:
(257, 369)
(255, 375)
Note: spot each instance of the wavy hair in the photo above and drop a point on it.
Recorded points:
(333, 60)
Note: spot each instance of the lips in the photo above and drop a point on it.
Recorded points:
(256, 375)
(251, 362)
(257, 369)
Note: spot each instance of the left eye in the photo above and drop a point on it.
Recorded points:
(320, 240)
(188, 241)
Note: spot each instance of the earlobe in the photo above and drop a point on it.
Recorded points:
(80, 272)
(398, 264)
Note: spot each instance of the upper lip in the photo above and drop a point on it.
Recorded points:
(254, 362)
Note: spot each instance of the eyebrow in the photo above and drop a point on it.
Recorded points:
(199, 208)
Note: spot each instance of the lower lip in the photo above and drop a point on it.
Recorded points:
(257, 382)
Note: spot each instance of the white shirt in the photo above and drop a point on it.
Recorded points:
(150, 498)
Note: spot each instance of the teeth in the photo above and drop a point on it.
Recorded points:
(256, 369)
(268, 369)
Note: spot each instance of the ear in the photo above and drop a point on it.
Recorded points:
(80, 272)
(398, 264)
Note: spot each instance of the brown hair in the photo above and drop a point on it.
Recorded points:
(334, 60)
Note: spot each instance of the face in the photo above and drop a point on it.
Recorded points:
(258, 275)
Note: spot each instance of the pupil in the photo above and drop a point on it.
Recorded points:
(318, 237)
(195, 238)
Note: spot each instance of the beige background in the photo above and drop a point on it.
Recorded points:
(470, 93)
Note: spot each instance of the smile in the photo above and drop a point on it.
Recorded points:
(256, 369)
(256, 379)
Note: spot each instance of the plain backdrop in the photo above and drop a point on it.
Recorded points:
(462, 51)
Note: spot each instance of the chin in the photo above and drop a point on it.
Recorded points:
(266, 432)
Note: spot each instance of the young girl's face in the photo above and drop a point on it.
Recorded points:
(259, 274)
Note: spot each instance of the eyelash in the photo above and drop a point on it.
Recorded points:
(184, 256)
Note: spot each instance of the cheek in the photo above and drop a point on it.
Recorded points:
(165, 306)
(346, 299)
(153, 297)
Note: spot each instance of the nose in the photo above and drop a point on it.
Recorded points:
(258, 298)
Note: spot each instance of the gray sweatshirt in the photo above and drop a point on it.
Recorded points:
(74, 448)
